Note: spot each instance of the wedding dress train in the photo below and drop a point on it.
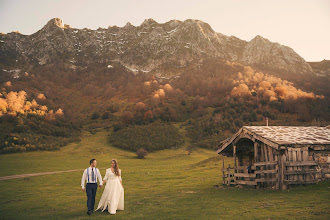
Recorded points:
(113, 194)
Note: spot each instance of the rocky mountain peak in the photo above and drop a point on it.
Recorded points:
(128, 25)
(54, 23)
(263, 53)
(148, 22)
(147, 47)
(259, 38)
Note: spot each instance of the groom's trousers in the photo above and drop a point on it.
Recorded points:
(91, 193)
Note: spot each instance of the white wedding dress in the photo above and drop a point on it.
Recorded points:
(113, 194)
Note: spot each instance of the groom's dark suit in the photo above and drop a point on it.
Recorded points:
(91, 174)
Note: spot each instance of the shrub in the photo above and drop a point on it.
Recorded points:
(141, 153)
(117, 127)
(151, 137)
(105, 115)
(95, 115)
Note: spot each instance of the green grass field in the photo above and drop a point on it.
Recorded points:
(168, 184)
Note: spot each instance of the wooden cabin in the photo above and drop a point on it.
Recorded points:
(276, 157)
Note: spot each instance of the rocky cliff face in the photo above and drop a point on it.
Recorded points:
(321, 68)
(145, 47)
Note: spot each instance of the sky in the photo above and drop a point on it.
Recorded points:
(302, 25)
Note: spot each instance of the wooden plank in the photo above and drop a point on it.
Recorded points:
(265, 163)
(299, 158)
(229, 141)
(270, 158)
(293, 172)
(305, 155)
(305, 158)
(244, 174)
(262, 156)
(241, 168)
(228, 176)
(234, 154)
(300, 163)
(256, 159)
(244, 182)
(301, 181)
(265, 171)
(262, 139)
(266, 152)
(270, 154)
(289, 158)
(223, 170)
(263, 180)
(267, 166)
(283, 185)
(294, 159)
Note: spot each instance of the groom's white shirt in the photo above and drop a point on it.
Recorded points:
(85, 177)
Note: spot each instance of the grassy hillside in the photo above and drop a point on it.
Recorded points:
(46, 107)
(168, 184)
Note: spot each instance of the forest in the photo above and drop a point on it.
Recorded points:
(47, 107)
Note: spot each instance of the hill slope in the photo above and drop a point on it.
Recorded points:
(169, 183)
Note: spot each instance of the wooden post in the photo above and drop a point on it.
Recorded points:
(283, 185)
(223, 170)
(294, 159)
(300, 176)
(270, 167)
(228, 176)
(234, 154)
(256, 159)
(305, 158)
(266, 176)
(262, 156)
(266, 152)
(289, 158)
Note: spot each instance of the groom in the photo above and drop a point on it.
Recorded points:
(91, 174)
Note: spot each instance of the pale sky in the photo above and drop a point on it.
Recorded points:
(303, 25)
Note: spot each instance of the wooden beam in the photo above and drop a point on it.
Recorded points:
(293, 172)
(270, 154)
(256, 159)
(262, 156)
(244, 174)
(227, 143)
(223, 170)
(265, 171)
(266, 152)
(262, 139)
(245, 133)
(241, 168)
(301, 181)
(281, 173)
(265, 163)
(234, 154)
(244, 182)
(263, 180)
(300, 163)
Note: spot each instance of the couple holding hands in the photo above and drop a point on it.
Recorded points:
(112, 198)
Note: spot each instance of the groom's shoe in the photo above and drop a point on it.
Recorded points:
(89, 213)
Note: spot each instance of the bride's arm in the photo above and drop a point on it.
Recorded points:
(106, 176)
(120, 177)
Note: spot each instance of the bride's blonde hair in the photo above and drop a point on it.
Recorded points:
(116, 167)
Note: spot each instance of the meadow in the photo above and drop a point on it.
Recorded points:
(168, 184)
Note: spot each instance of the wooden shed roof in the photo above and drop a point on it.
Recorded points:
(283, 135)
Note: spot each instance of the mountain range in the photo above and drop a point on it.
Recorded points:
(150, 47)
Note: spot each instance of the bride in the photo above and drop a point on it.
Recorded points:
(112, 198)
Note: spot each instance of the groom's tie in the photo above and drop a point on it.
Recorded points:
(93, 175)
